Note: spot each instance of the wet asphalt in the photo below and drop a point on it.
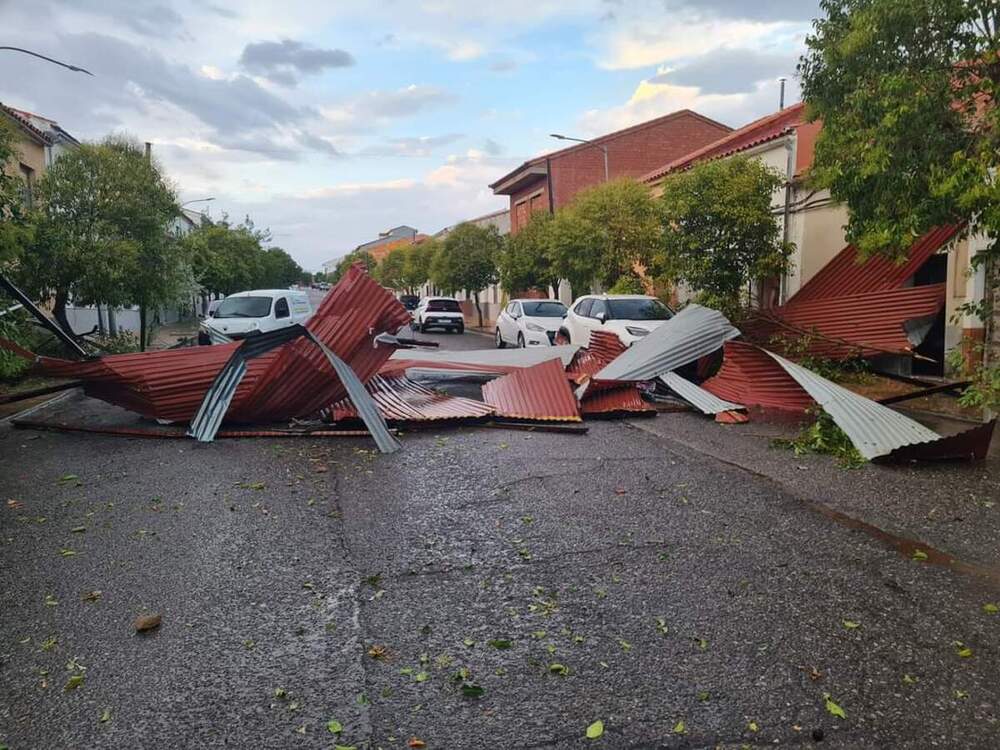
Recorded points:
(481, 588)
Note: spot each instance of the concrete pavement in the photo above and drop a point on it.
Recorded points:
(480, 588)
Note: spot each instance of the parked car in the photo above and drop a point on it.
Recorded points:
(259, 311)
(631, 316)
(410, 301)
(438, 312)
(529, 322)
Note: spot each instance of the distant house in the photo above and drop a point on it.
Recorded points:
(34, 150)
(499, 219)
(186, 222)
(382, 245)
(550, 181)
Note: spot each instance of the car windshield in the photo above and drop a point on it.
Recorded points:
(638, 309)
(244, 307)
(443, 305)
(544, 309)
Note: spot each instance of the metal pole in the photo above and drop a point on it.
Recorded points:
(605, 150)
(40, 316)
(781, 96)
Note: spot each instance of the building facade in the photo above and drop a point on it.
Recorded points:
(549, 182)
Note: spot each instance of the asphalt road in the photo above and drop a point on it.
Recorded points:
(481, 588)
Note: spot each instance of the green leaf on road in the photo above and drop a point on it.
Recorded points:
(963, 651)
(334, 727)
(833, 708)
(74, 682)
(78, 529)
(560, 669)
(67, 552)
(753, 726)
(68, 478)
(595, 730)
(990, 608)
(500, 643)
(469, 642)
(851, 624)
(704, 695)
(344, 747)
(421, 677)
(626, 646)
(919, 554)
(472, 691)
(680, 727)
(106, 716)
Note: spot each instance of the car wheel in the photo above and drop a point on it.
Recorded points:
(500, 343)
(423, 328)
(520, 341)
(460, 330)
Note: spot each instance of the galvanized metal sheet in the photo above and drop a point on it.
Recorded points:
(692, 333)
(874, 429)
(704, 401)
(499, 361)
(541, 392)
(403, 400)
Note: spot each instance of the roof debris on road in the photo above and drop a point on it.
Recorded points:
(343, 365)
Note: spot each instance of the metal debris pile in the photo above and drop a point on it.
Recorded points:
(349, 366)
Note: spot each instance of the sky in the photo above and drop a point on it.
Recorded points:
(328, 122)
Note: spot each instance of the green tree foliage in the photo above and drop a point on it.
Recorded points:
(604, 233)
(417, 265)
(907, 92)
(355, 256)
(16, 220)
(524, 263)
(467, 260)
(390, 271)
(102, 236)
(279, 270)
(719, 232)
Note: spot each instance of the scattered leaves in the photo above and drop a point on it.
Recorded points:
(377, 651)
(704, 696)
(334, 727)
(559, 669)
(595, 730)
(753, 726)
(851, 624)
(67, 552)
(500, 643)
(74, 682)
(105, 716)
(680, 727)
(990, 608)
(626, 646)
(422, 677)
(470, 690)
(832, 707)
(78, 529)
(416, 742)
(962, 650)
(919, 554)
(91, 596)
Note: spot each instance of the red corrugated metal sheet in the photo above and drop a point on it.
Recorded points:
(845, 275)
(541, 392)
(402, 400)
(294, 380)
(750, 377)
(862, 325)
(756, 133)
(604, 346)
(620, 399)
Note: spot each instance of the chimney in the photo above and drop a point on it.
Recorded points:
(149, 146)
(781, 96)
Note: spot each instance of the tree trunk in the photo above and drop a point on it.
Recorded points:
(479, 310)
(112, 321)
(142, 328)
(101, 329)
(59, 311)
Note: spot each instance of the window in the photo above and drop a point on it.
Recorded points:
(544, 309)
(510, 309)
(244, 307)
(638, 308)
(443, 305)
(583, 309)
(599, 307)
(281, 308)
(28, 189)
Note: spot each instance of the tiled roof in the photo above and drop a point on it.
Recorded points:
(756, 133)
(21, 119)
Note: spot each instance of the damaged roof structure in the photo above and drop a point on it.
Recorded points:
(348, 364)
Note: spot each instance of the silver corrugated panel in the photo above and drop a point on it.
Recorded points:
(875, 430)
(485, 357)
(698, 397)
(692, 333)
(361, 398)
(217, 399)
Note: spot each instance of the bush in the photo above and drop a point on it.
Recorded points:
(628, 284)
(824, 436)
(15, 327)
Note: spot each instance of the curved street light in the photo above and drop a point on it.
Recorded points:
(74, 68)
(583, 140)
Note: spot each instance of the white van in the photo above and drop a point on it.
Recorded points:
(249, 313)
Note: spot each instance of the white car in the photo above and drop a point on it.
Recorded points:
(529, 322)
(438, 312)
(259, 311)
(631, 316)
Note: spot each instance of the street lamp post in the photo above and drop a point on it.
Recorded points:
(74, 68)
(197, 200)
(583, 140)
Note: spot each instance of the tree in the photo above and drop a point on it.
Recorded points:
(16, 219)
(907, 93)
(226, 258)
(102, 236)
(355, 256)
(719, 233)
(391, 269)
(604, 233)
(467, 260)
(417, 265)
(278, 269)
(525, 263)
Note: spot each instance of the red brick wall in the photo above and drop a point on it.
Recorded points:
(630, 154)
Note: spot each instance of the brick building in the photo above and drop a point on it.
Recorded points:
(548, 182)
